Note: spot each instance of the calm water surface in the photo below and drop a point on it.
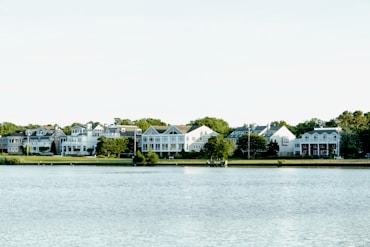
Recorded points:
(183, 206)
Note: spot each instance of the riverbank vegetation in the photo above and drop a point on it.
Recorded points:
(62, 160)
(355, 135)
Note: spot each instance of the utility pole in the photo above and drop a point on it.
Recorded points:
(249, 141)
(135, 140)
(28, 141)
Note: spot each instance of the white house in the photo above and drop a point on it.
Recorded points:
(281, 134)
(83, 139)
(176, 138)
(319, 142)
(42, 139)
(39, 140)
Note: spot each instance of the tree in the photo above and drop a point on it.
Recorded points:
(145, 123)
(151, 157)
(218, 148)
(257, 143)
(139, 158)
(218, 125)
(283, 123)
(307, 126)
(272, 148)
(119, 121)
(107, 146)
(7, 128)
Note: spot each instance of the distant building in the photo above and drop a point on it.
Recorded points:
(320, 142)
(83, 139)
(281, 134)
(175, 139)
(40, 140)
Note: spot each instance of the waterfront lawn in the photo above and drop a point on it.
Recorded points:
(67, 160)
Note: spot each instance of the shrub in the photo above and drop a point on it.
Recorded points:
(139, 158)
(9, 161)
(152, 158)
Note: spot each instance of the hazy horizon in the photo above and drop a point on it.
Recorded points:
(240, 61)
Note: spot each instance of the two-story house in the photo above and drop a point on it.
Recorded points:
(34, 141)
(321, 142)
(175, 139)
(44, 139)
(279, 134)
(83, 139)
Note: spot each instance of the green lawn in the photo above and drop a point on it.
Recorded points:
(48, 160)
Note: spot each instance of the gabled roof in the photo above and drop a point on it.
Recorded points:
(327, 131)
(181, 128)
(271, 131)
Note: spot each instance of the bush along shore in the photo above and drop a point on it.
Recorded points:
(59, 160)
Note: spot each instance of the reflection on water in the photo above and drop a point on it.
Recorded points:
(183, 206)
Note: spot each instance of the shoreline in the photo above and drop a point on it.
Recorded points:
(92, 161)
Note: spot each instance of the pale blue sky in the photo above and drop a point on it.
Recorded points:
(242, 61)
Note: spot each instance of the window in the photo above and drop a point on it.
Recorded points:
(284, 141)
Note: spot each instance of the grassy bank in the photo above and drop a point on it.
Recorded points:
(59, 160)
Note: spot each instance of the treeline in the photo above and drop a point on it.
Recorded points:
(355, 138)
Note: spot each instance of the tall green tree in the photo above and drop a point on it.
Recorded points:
(272, 148)
(218, 148)
(126, 121)
(257, 143)
(7, 128)
(307, 126)
(107, 146)
(216, 124)
(145, 123)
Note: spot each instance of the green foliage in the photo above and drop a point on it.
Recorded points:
(9, 161)
(7, 128)
(218, 125)
(111, 146)
(139, 158)
(218, 148)
(145, 123)
(118, 121)
(151, 157)
(307, 126)
(272, 148)
(355, 141)
(257, 143)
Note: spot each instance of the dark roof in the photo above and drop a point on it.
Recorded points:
(327, 131)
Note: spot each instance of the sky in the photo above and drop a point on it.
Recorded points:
(242, 61)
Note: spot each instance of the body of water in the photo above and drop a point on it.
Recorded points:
(183, 206)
